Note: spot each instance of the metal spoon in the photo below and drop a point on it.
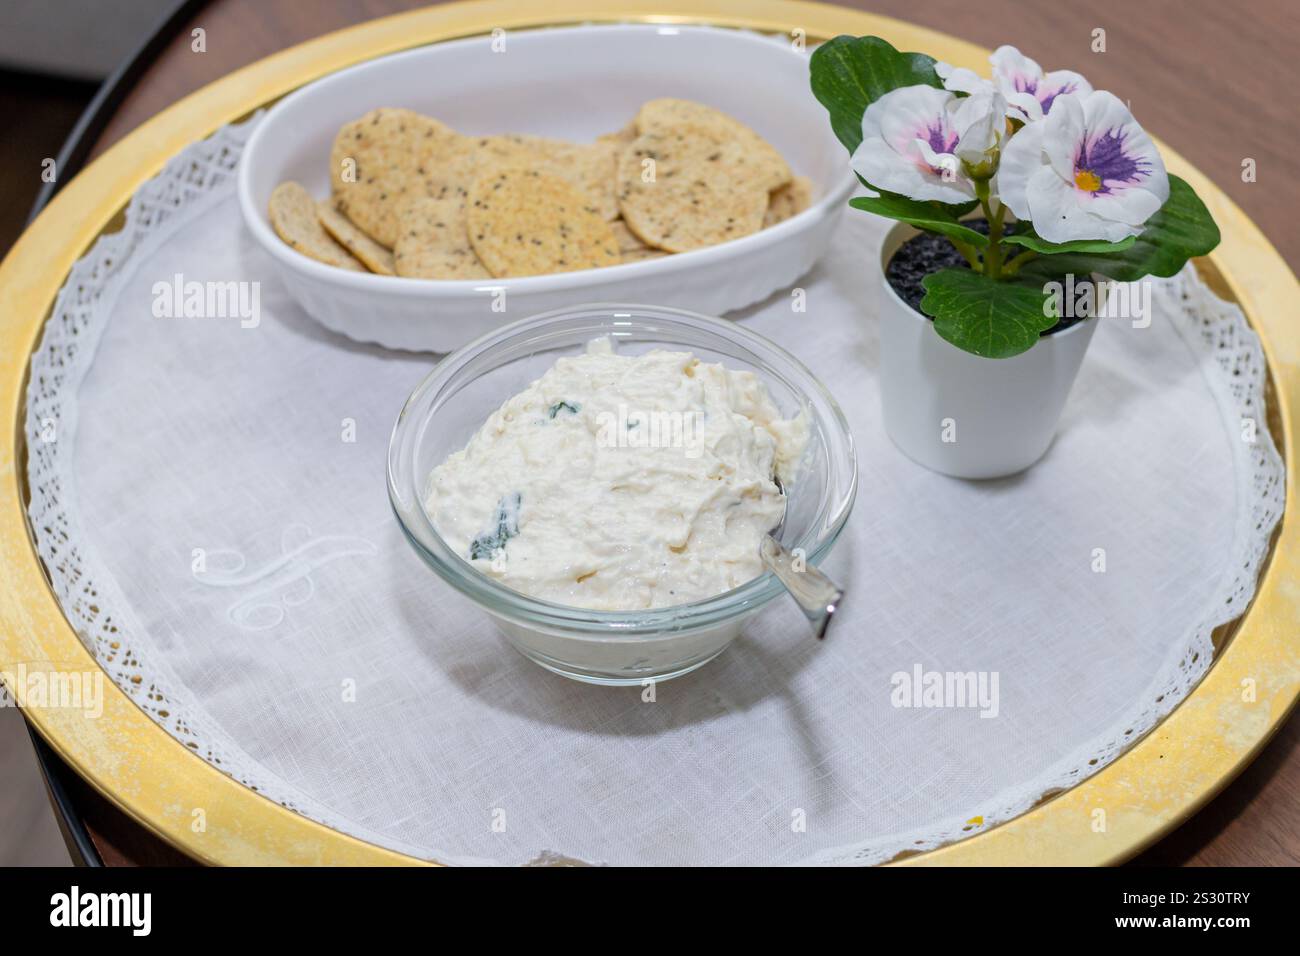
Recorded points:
(816, 594)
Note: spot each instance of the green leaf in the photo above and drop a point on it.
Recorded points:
(850, 73)
(1031, 240)
(1181, 229)
(931, 216)
(991, 318)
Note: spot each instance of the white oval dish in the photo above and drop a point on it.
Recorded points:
(569, 83)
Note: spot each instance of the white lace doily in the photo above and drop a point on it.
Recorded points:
(153, 440)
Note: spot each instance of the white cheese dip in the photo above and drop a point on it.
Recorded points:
(621, 482)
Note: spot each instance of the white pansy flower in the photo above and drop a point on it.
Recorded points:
(915, 139)
(1029, 91)
(1025, 85)
(1087, 171)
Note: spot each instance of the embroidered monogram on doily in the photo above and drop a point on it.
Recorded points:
(265, 593)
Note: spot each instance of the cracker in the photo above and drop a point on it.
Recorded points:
(630, 246)
(789, 200)
(628, 241)
(523, 222)
(701, 192)
(372, 255)
(293, 217)
(620, 137)
(665, 115)
(591, 167)
(433, 243)
(645, 252)
(396, 155)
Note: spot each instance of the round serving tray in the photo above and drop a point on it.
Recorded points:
(1155, 785)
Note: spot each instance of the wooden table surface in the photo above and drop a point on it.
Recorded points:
(1212, 79)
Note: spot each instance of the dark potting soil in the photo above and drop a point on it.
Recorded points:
(928, 253)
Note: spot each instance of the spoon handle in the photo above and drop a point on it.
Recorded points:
(816, 594)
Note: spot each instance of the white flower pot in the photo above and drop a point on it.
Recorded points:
(957, 413)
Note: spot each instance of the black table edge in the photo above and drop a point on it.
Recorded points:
(72, 157)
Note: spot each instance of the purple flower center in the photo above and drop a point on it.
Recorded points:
(1051, 96)
(1045, 96)
(940, 140)
(1102, 164)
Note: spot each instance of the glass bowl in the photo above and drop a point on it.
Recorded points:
(614, 647)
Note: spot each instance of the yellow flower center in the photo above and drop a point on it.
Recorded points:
(1087, 180)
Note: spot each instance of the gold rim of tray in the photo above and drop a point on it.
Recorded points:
(137, 765)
